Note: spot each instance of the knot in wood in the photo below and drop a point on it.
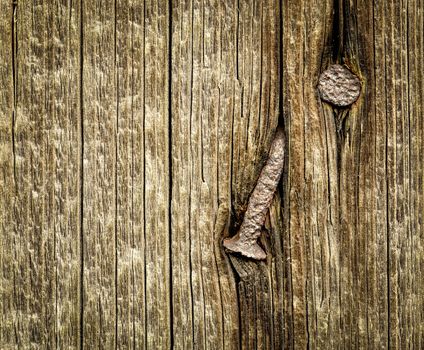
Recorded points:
(339, 86)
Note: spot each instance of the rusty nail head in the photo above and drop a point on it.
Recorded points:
(339, 86)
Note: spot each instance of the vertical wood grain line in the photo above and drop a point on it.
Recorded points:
(144, 179)
(171, 295)
(8, 179)
(14, 40)
(81, 221)
(116, 169)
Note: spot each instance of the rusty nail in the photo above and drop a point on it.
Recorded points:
(245, 241)
(339, 86)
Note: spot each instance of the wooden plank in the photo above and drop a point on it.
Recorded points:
(379, 200)
(255, 120)
(7, 173)
(199, 312)
(220, 77)
(65, 165)
(34, 238)
(99, 207)
(43, 210)
(311, 241)
(369, 126)
(356, 191)
(415, 50)
(378, 263)
(182, 274)
(157, 182)
(399, 172)
(255, 117)
(131, 306)
(43, 232)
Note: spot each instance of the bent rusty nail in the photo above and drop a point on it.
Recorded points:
(245, 241)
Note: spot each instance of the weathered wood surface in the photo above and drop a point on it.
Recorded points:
(131, 136)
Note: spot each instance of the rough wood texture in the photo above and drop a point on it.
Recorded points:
(132, 134)
(40, 175)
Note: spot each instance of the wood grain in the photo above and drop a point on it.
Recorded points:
(130, 228)
(8, 300)
(40, 240)
(99, 194)
(157, 178)
(132, 134)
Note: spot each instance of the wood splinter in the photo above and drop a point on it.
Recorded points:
(245, 241)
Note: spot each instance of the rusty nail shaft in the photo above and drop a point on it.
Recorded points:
(245, 241)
